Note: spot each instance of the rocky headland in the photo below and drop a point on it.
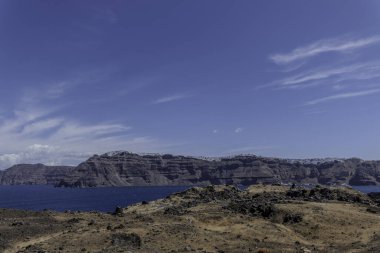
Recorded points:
(32, 174)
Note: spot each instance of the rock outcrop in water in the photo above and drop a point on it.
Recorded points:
(129, 169)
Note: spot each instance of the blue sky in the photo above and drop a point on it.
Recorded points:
(294, 79)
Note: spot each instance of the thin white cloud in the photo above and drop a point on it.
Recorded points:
(34, 136)
(27, 124)
(50, 91)
(338, 87)
(292, 67)
(36, 131)
(37, 153)
(239, 130)
(169, 99)
(75, 131)
(57, 89)
(41, 126)
(314, 112)
(319, 75)
(329, 75)
(362, 71)
(215, 131)
(323, 46)
(65, 142)
(343, 96)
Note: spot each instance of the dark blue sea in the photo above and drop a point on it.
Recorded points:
(367, 189)
(39, 197)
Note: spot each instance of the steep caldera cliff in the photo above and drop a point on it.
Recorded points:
(129, 169)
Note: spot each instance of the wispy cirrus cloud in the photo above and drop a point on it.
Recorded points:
(170, 98)
(35, 136)
(362, 71)
(343, 96)
(332, 75)
(40, 126)
(323, 46)
(51, 91)
(36, 131)
(358, 77)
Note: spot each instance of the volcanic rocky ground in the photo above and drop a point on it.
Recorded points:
(262, 218)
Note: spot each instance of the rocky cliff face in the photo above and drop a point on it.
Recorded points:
(127, 169)
(34, 174)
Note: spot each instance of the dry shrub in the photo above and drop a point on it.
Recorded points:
(263, 251)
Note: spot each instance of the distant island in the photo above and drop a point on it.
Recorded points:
(123, 168)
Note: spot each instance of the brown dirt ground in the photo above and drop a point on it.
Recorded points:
(330, 226)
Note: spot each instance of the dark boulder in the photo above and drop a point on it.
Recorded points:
(132, 240)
